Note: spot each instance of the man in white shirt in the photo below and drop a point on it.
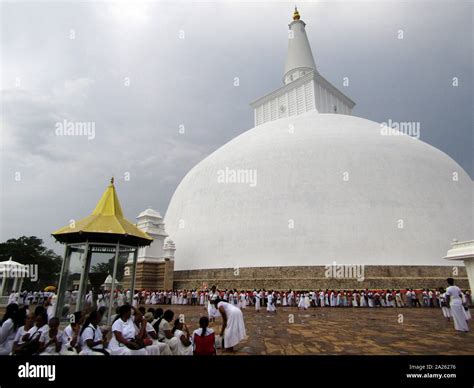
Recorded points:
(454, 300)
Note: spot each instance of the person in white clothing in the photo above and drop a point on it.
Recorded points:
(332, 299)
(233, 327)
(32, 338)
(355, 299)
(444, 304)
(165, 331)
(370, 299)
(22, 332)
(301, 302)
(51, 340)
(181, 333)
(71, 335)
(454, 300)
(339, 301)
(326, 297)
(307, 301)
(236, 299)
(398, 299)
(363, 301)
(211, 308)
(465, 304)
(120, 298)
(136, 298)
(123, 342)
(12, 320)
(321, 298)
(258, 296)
(163, 349)
(271, 307)
(290, 297)
(91, 337)
(243, 300)
(141, 328)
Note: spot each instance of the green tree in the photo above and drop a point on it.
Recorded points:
(30, 250)
(109, 266)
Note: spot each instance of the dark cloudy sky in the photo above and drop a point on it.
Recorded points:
(127, 69)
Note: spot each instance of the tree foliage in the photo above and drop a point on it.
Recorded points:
(30, 250)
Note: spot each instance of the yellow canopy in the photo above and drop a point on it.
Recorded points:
(107, 218)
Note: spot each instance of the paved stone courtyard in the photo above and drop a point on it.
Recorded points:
(345, 331)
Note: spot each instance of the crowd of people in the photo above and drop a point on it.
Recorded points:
(136, 330)
(261, 297)
(257, 298)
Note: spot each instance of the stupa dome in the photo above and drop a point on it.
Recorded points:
(316, 188)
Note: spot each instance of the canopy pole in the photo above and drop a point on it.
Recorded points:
(112, 287)
(62, 281)
(84, 277)
(134, 273)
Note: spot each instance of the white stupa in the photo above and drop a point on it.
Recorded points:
(310, 184)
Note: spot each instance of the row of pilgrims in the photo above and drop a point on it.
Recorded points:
(271, 300)
(367, 298)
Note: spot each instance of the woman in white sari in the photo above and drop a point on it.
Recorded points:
(233, 327)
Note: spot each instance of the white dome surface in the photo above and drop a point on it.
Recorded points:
(300, 175)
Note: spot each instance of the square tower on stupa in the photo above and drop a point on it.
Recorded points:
(304, 88)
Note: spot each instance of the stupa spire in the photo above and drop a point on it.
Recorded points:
(299, 60)
(304, 88)
(296, 14)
